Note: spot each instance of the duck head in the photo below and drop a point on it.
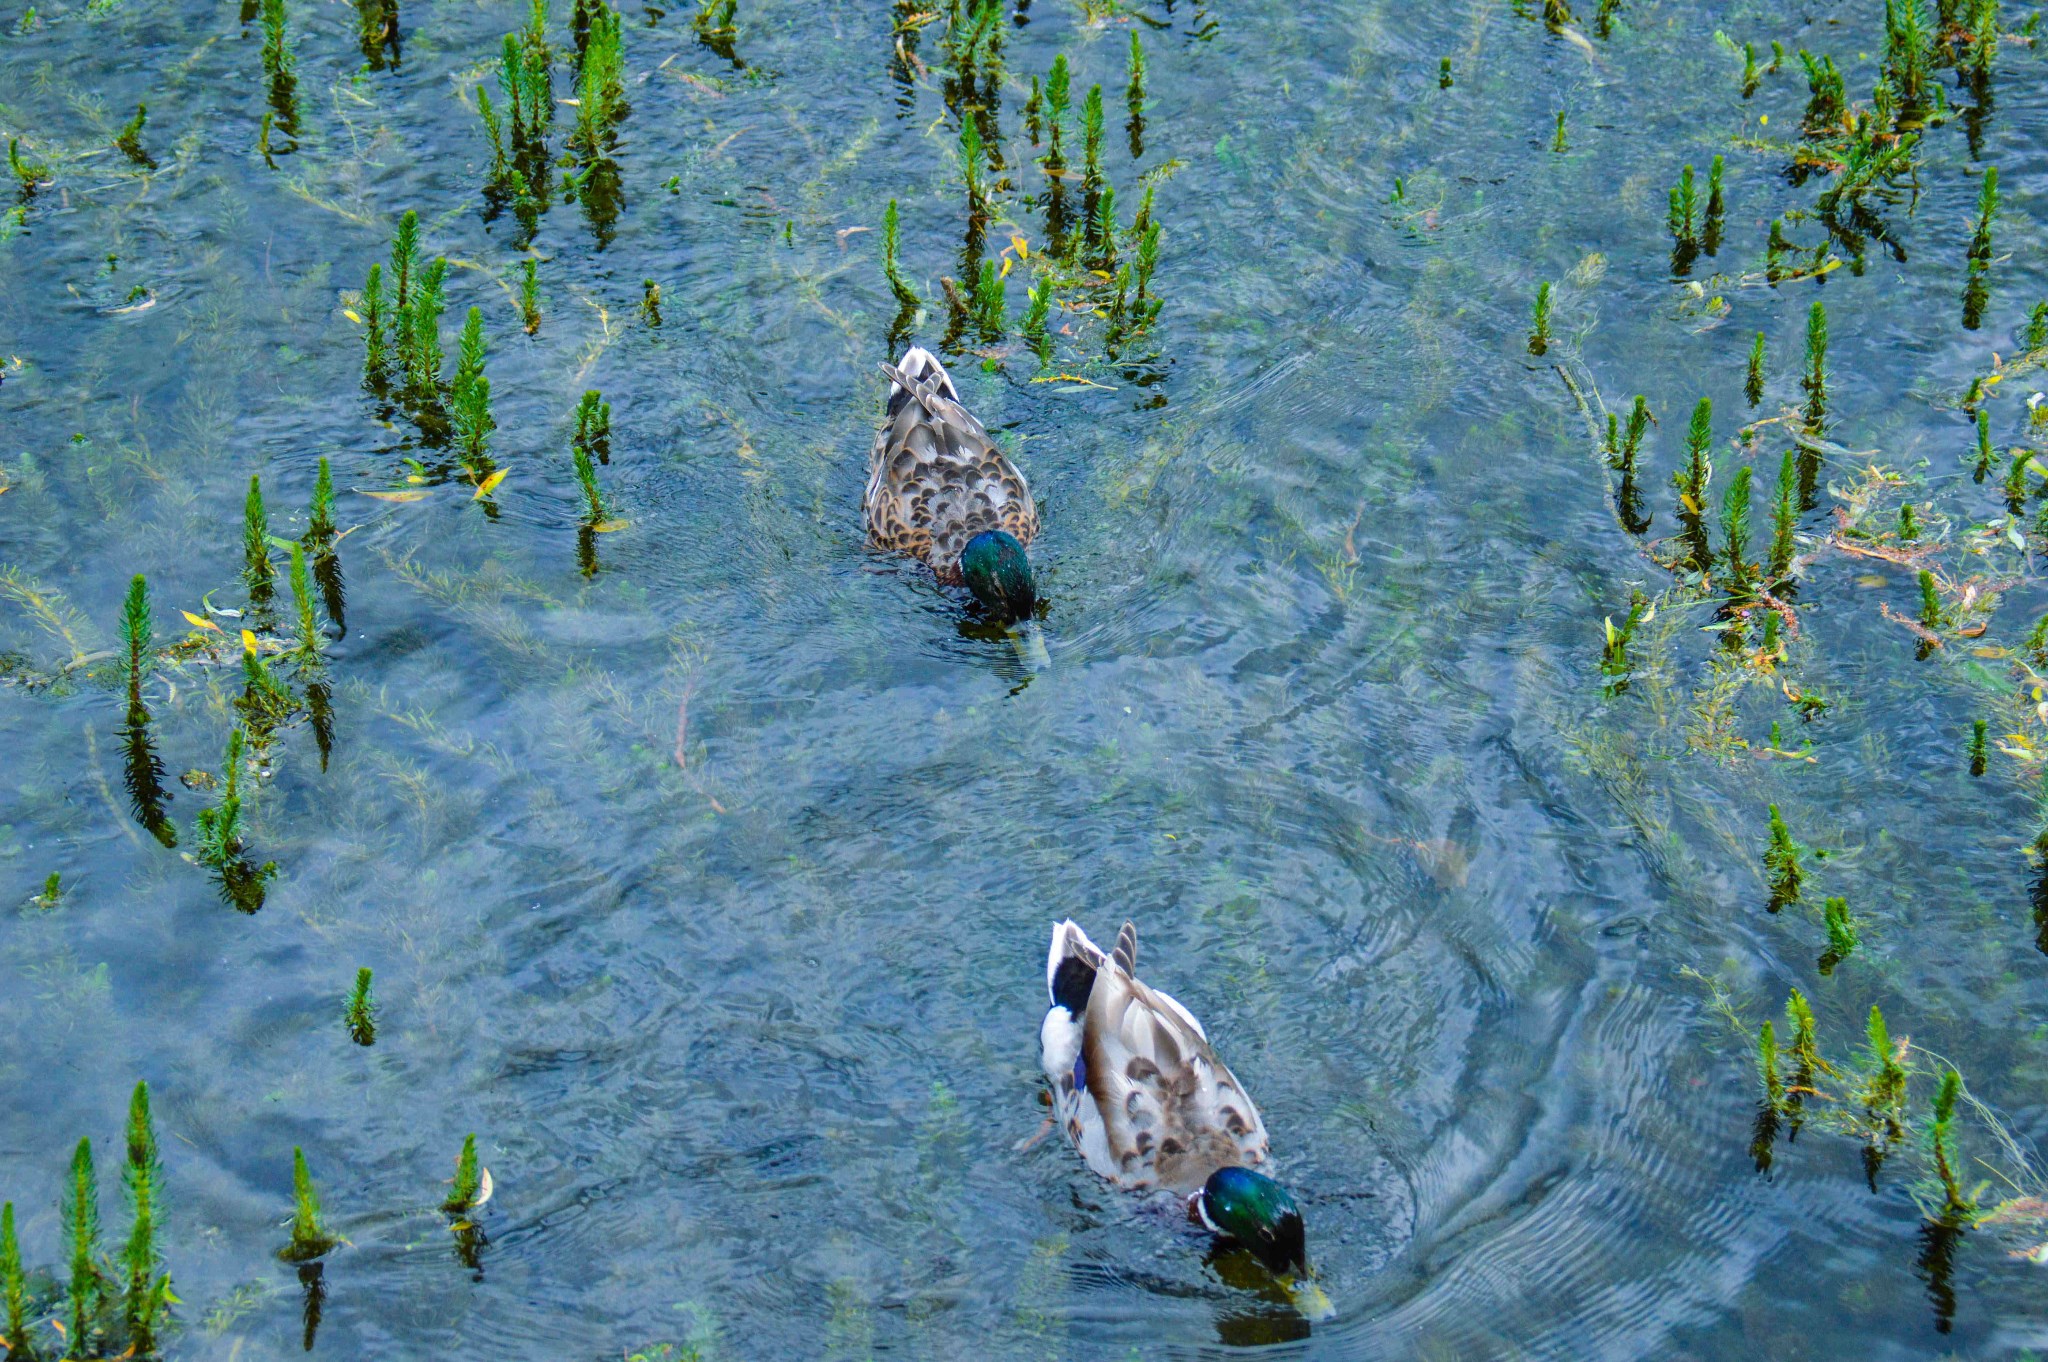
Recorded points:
(1258, 1213)
(999, 574)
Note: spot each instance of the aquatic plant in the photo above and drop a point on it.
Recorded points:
(1035, 332)
(468, 1185)
(906, 296)
(1102, 229)
(1841, 934)
(320, 537)
(1782, 871)
(423, 349)
(717, 26)
(360, 1012)
(1682, 220)
(1767, 1064)
(1884, 1090)
(1735, 534)
(2016, 480)
(373, 325)
(310, 1238)
(1816, 380)
(277, 53)
(13, 1285)
(600, 84)
(1941, 1143)
(308, 651)
(1092, 179)
(1909, 58)
(529, 295)
(137, 654)
(1146, 304)
(1909, 524)
(594, 426)
(1615, 661)
(258, 573)
(264, 702)
(470, 398)
(1058, 91)
(27, 174)
(970, 168)
(1134, 95)
(1692, 480)
(129, 139)
(1753, 381)
(1539, 329)
(1979, 730)
(988, 302)
(2037, 327)
(1983, 464)
(1717, 207)
(1556, 14)
(220, 827)
(1443, 74)
(147, 1294)
(1559, 143)
(82, 1240)
(494, 133)
(1930, 601)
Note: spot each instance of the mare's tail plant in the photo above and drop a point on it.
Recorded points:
(360, 1012)
(1735, 535)
(1781, 864)
(529, 295)
(1539, 328)
(1784, 520)
(906, 296)
(310, 1238)
(1979, 730)
(259, 574)
(1753, 382)
(13, 1286)
(82, 1237)
(467, 1190)
(147, 1293)
(470, 398)
(594, 426)
(1816, 380)
(1841, 934)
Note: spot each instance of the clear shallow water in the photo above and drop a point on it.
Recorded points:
(711, 891)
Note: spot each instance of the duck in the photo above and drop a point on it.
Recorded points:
(1141, 1095)
(941, 491)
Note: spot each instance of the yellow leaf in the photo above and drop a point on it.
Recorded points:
(1006, 269)
(412, 494)
(1690, 504)
(1989, 652)
(1022, 247)
(607, 526)
(199, 621)
(489, 485)
(350, 314)
(248, 641)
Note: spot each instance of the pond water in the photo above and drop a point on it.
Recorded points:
(705, 859)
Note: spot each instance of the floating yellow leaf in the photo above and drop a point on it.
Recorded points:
(199, 621)
(1021, 246)
(350, 314)
(489, 485)
(1989, 652)
(1689, 503)
(248, 641)
(1005, 274)
(1871, 579)
(607, 526)
(413, 494)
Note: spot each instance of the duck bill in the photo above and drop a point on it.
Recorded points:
(1308, 1298)
(1029, 641)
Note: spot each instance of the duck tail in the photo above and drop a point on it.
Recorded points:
(918, 369)
(1126, 954)
(1071, 965)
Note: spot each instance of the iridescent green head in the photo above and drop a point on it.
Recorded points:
(999, 575)
(1257, 1212)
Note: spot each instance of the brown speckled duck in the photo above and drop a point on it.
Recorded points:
(940, 491)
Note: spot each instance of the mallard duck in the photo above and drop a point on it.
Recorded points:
(1149, 1106)
(940, 491)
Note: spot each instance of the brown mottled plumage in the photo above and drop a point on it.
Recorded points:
(935, 479)
(1153, 1106)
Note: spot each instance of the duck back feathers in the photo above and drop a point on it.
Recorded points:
(935, 479)
(1136, 1086)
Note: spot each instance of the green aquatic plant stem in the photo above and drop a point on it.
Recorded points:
(529, 295)
(1682, 218)
(1767, 1065)
(1827, 103)
(971, 152)
(1782, 871)
(424, 355)
(1816, 380)
(1987, 209)
(1559, 143)
(82, 1241)
(1784, 521)
(1930, 601)
(1102, 229)
(277, 52)
(137, 637)
(1805, 1052)
(360, 1012)
(1983, 443)
(27, 174)
(462, 1195)
(320, 526)
(1058, 92)
(906, 296)
(1443, 74)
(1735, 534)
(1885, 1086)
(2037, 327)
(1909, 57)
(147, 1293)
(1841, 931)
(129, 138)
(1692, 480)
(1539, 327)
(470, 396)
(259, 574)
(308, 651)
(1034, 329)
(1134, 77)
(1957, 1207)
(1753, 382)
(13, 1285)
(405, 258)
(594, 426)
(600, 85)
(373, 322)
(310, 1238)
(586, 478)
(1979, 733)
(220, 827)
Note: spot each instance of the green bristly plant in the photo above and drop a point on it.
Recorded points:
(308, 651)
(1717, 207)
(2037, 327)
(1983, 466)
(1102, 229)
(258, 573)
(1957, 1207)
(1884, 1092)
(1987, 208)
(82, 1239)
(494, 132)
(1753, 384)
(1134, 77)
(320, 527)
(1034, 112)
(1983, 35)
(277, 52)
(2016, 480)
(1909, 58)
(1776, 248)
(1145, 306)
(129, 138)
(717, 27)
(1034, 329)
(1782, 873)
(1752, 74)
(988, 302)
(1909, 524)
(1816, 380)
(1556, 14)
(310, 1239)
(1683, 215)
(529, 295)
(1057, 94)
(470, 398)
(1979, 730)
(1735, 535)
(601, 83)
(1558, 141)
(1443, 74)
(1784, 520)
(1632, 442)
(423, 353)
(220, 827)
(1841, 934)
(373, 324)
(361, 1012)
(594, 426)
(137, 654)
(1767, 1065)
(462, 1196)
(970, 167)
(906, 296)
(1539, 329)
(650, 302)
(2036, 646)
(1615, 662)
(1930, 601)
(147, 1294)
(27, 174)
(1692, 479)
(265, 702)
(1092, 179)
(13, 1285)
(1827, 103)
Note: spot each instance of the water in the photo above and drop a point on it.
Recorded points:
(711, 890)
